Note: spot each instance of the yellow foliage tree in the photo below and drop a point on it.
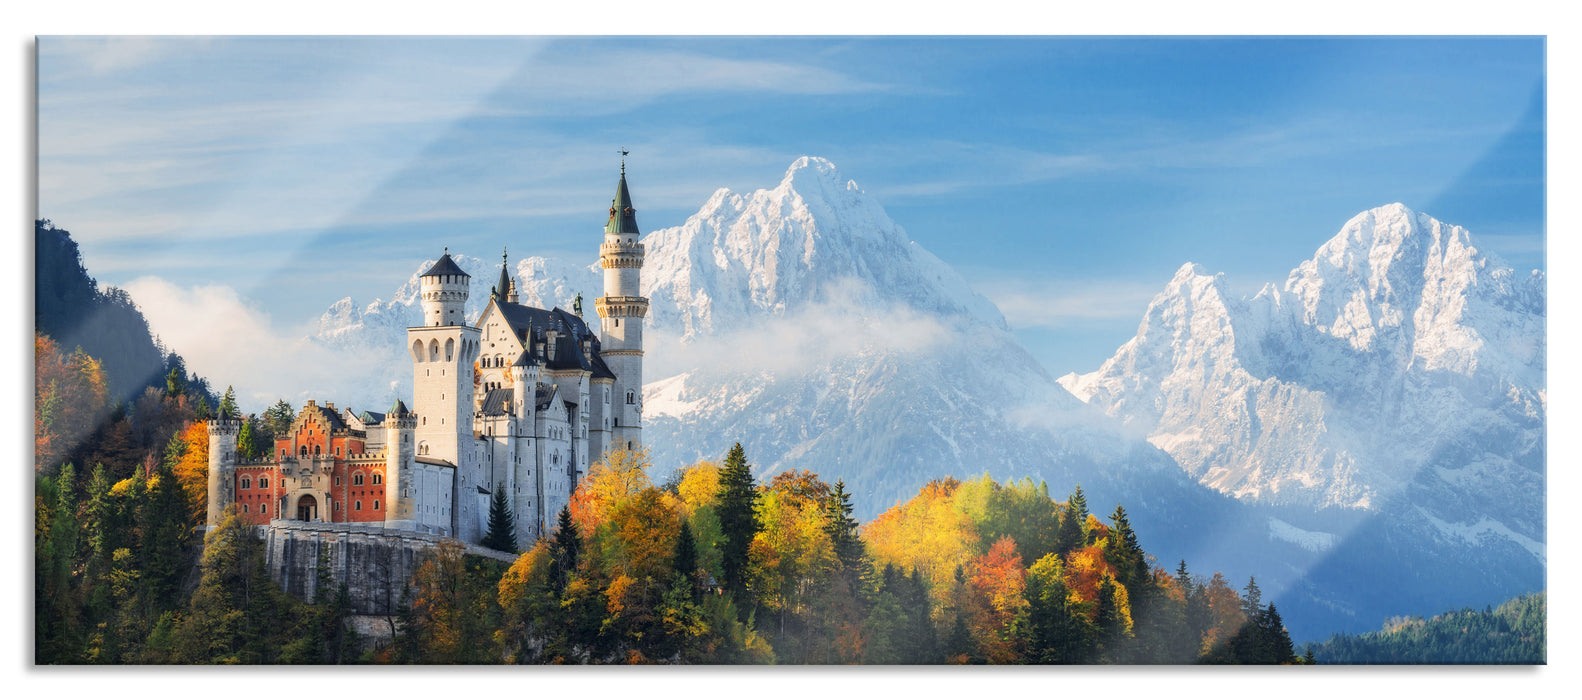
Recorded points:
(699, 486)
(927, 533)
(619, 476)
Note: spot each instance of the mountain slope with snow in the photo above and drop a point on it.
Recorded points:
(1397, 339)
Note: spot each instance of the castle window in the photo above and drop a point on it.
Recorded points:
(337, 480)
(244, 507)
(357, 479)
(247, 483)
(378, 478)
(358, 506)
(318, 449)
(631, 396)
(263, 508)
(263, 482)
(376, 505)
(337, 451)
(337, 505)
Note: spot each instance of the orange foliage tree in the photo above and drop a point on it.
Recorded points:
(997, 581)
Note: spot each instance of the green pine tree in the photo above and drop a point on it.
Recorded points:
(502, 524)
(738, 521)
(228, 403)
(279, 417)
(1073, 524)
(686, 557)
(248, 445)
(564, 551)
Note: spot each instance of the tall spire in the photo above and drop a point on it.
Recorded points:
(501, 290)
(623, 218)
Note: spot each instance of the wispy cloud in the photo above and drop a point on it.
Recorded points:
(230, 340)
(1048, 304)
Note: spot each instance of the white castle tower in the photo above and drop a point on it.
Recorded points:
(622, 309)
(443, 349)
(223, 432)
(399, 425)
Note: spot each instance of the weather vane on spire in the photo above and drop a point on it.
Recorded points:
(624, 153)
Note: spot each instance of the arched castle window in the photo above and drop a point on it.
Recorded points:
(318, 449)
(303, 451)
(263, 508)
(417, 351)
(631, 396)
(263, 482)
(247, 483)
(378, 478)
(450, 348)
(337, 481)
(422, 447)
(244, 507)
(433, 350)
(357, 479)
(358, 506)
(376, 505)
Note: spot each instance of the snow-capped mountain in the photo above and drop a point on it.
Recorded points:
(804, 323)
(1389, 399)
(1397, 339)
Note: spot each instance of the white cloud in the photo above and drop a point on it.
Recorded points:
(808, 340)
(228, 340)
(1042, 304)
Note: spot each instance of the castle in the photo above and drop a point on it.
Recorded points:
(522, 400)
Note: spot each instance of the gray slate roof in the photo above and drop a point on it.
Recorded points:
(445, 266)
(498, 401)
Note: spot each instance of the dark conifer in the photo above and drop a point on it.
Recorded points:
(685, 560)
(1073, 524)
(738, 521)
(502, 524)
(564, 551)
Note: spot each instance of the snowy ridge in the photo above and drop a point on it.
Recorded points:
(763, 254)
(1396, 340)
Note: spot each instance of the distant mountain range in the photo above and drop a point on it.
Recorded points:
(1379, 418)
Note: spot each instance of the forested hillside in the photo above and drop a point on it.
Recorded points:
(710, 567)
(1513, 633)
(101, 382)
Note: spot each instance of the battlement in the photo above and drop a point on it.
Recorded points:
(367, 457)
(224, 426)
(624, 307)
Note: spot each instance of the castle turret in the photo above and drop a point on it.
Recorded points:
(622, 309)
(444, 293)
(399, 489)
(504, 287)
(223, 432)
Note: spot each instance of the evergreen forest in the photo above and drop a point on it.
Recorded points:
(1515, 632)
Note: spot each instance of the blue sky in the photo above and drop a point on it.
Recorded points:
(280, 175)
